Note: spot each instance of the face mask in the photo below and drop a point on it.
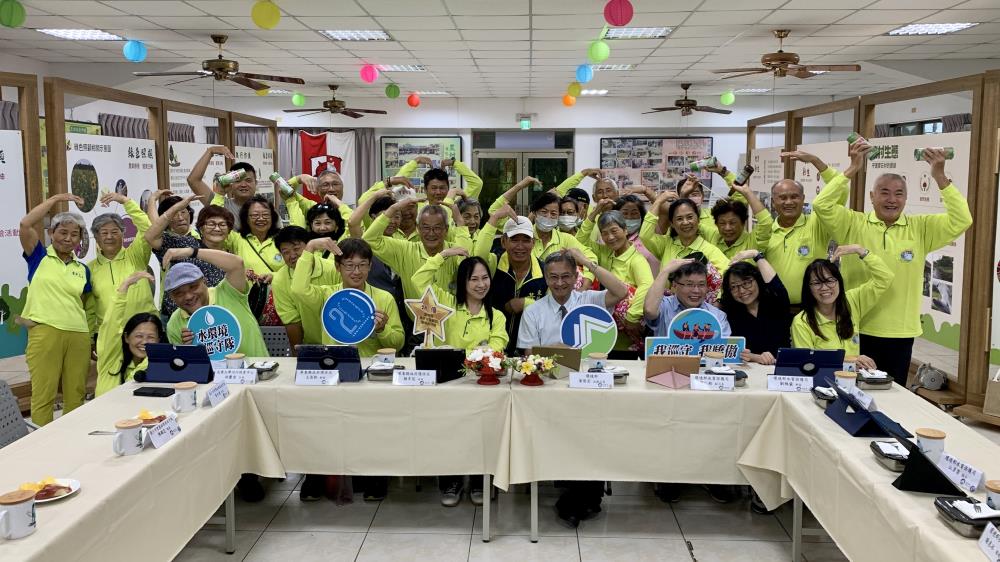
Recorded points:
(545, 224)
(632, 225)
(568, 222)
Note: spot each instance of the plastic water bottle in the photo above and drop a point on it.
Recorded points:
(851, 138)
(949, 152)
(225, 180)
(285, 189)
(744, 176)
(699, 165)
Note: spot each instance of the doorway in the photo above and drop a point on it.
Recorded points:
(502, 169)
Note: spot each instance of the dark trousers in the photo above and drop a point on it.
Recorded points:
(376, 486)
(579, 498)
(891, 355)
(475, 481)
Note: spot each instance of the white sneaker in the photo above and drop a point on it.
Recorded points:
(452, 495)
(476, 497)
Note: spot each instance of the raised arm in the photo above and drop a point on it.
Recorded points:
(195, 179)
(574, 180)
(617, 289)
(231, 264)
(585, 234)
(385, 248)
(654, 296)
(402, 177)
(424, 277)
(355, 225)
(940, 229)
(829, 204)
(473, 183)
(868, 295)
(26, 230)
(154, 236)
(509, 197)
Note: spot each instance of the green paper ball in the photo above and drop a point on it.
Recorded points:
(392, 91)
(298, 100)
(599, 51)
(12, 13)
(727, 98)
(574, 89)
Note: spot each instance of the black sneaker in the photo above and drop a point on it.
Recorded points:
(567, 519)
(312, 488)
(721, 493)
(250, 488)
(757, 505)
(452, 494)
(668, 493)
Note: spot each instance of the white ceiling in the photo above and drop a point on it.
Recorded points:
(515, 48)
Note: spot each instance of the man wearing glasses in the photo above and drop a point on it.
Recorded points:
(689, 282)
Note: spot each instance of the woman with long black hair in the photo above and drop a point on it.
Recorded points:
(756, 303)
(121, 344)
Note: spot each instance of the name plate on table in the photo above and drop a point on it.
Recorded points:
(964, 475)
(789, 383)
(863, 398)
(989, 542)
(596, 379)
(317, 377)
(236, 376)
(410, 377)
(712, 381)
(163, 432)
(216, 394)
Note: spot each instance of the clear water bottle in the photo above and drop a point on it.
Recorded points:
(225, 180)
(949, 152)
(283, 187)
(744, 176)
(699, 165)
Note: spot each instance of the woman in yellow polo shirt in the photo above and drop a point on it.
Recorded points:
(254, 242)
(619, 255)
(831, 317)
(121, 345)
(58, 349)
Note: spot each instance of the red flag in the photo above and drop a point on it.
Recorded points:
(316, 159)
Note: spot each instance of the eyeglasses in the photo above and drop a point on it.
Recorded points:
(828, 283)
(744, 286)
(432, 229)
(696, 286)
(215, 225)
(356, 267)
(259, 216)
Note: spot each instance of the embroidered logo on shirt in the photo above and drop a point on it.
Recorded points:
(906, 255)
(803, 250)
(277, 257)
(856, 339)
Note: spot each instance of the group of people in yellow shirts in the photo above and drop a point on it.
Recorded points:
(832, 278)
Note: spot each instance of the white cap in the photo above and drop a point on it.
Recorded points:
(521, 226)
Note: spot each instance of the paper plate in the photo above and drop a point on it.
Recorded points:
(74, 487)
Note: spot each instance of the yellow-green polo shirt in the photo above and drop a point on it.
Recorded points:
(669, 248)
(290, 308)
(462, 329)
(903, 245)
(226, 296)
(482, 249)
(109, 342)
(860, 300)
(106, 275)
(755, 239)
(631, 267)
(314, 297)
(260, 257)
(55, 290)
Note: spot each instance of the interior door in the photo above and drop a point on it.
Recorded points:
(550, 168)
(499, 170)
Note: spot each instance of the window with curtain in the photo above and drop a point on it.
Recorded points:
(9, 118)
(138, 128)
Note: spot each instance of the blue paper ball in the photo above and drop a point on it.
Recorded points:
(584, 73)
(134, 51)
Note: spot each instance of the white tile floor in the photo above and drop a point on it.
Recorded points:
(412, 525)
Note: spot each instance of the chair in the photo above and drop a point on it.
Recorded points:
(12, 425)
(276, 340)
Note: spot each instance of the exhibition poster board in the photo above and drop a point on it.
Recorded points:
(14, 276)
(655, 162)
(71, 127)
(396, 151)
(181, 157)
(834, 154)
(768, 170)
(262, 159)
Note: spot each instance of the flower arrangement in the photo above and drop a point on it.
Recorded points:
(532, 366)
(487, 363)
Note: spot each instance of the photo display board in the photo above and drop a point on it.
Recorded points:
(396, 151)
(655, 162)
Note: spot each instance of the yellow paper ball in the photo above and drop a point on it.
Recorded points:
(265, 14)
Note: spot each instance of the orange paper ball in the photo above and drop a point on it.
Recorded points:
(569, 100)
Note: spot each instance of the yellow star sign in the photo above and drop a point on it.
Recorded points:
(428, 315)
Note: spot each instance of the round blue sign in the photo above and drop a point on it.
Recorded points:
(349, 316)
(217, 329)
(590, 328)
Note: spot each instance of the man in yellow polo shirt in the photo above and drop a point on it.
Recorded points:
(302, 324)
(902, 241)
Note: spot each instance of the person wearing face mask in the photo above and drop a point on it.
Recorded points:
(634, 211)
(114, 262)
(756, 303)
(832, 316)
(302, 325)
(121, 345)
(569, 222)
(582, 199)
(618, 255)
(233, 196)
(902, 240)
(685, 238)
(730, 233)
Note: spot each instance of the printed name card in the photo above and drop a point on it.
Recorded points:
(317, 377)
(163, 432)
(964, 475)
(595, 379)
(989, 542)
(712, 381)
(863, 398)
(409, 377)
(789, 383)
(216, 394)
(236, 376)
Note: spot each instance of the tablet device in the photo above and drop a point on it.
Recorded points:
(448, 363)
(176, 363)
(341, 358)
(820, 364)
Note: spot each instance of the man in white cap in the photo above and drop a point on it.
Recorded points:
(517, 275)
(185, 283)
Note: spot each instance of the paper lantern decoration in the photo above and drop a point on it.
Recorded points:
(265, 14)
(599, 51)
(727, 98)
(569, 101)
(584, 73)
(298, 100)
(262, 93)
(618, 12)
(392, 91)
(12, 13)
(574, 89)
(134, 51)
(369, 73)
(413, 100)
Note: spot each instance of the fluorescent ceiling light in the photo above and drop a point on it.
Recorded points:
(638, 32)
(401, 67)
(612, 66)
(818, 71)
(752, 91)
(593, 92)
(355, 35)
(931, 28)
(81, 34)
(281, 92)
(432, 93)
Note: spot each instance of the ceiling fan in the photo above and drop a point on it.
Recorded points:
(335, 106)
(687, 106)
(224, 69)
(784, 64)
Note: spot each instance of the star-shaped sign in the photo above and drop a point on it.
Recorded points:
(428, 315)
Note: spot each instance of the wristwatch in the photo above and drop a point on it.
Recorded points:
(758, 257)
(864, 255)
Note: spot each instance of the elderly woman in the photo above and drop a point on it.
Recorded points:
(114, 262)
(58, 348)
